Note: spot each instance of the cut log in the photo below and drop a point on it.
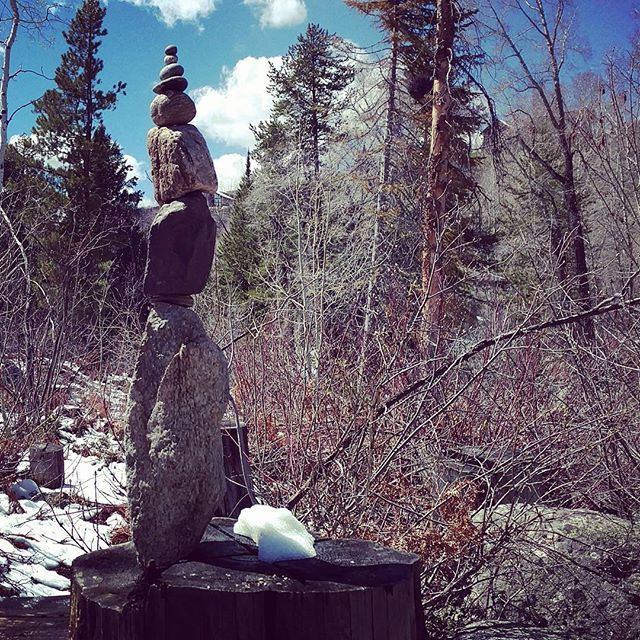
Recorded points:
(235, 446)
(34, 618)
(46, 463)
(352, 590)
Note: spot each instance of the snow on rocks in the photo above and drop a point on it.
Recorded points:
(277, 532)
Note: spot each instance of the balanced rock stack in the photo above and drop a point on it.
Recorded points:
(182, 238)
(175, 469)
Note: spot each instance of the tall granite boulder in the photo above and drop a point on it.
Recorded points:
(174, 447)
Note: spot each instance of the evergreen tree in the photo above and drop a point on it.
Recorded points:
(239, 253)
(100, 201)
(307, 91)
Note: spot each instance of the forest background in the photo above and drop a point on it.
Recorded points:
(433, 253)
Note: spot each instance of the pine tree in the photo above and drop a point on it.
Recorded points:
(307, 90)
(239, 253)
(411, 29)
(100, 200)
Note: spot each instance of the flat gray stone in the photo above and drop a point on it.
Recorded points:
(175, 469)
(179, 83)
(171, 71)
(172, 109)
(180, 162)
(171, 50)
(182, 242)
(24, 489)
(490, 630)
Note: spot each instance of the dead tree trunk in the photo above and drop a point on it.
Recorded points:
(355, 590)
(438, 175)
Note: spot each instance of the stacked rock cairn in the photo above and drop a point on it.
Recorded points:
(175, 471)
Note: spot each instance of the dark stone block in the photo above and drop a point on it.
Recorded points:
(177, 83)
(181, 247)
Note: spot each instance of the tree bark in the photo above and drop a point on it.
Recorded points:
(4, 86)
(438, 175)
(46, 462)
(381, 202)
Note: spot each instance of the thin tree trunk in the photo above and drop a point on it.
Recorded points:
(4, 86)
(438, 174)
(381, 200)
(570, 197)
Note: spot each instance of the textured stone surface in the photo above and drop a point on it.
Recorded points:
(171, 50)
(181, 247)
(171, 84)
(170, 59)
(172, 109)
(171, 71)
(175, 471)
(180, 162)
(572, 569)
(507, 631)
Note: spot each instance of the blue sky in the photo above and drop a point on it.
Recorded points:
(224, 46)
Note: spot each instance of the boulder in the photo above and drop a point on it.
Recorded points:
(492, 630)
(175, 470)
(172, 109)
(180, 162)
(571, 569)
(182, 242)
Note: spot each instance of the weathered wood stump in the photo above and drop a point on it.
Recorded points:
(352, 590)
(238, 495)
(46, 465)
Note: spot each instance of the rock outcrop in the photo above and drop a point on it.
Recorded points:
(571, 569)
(175, 469)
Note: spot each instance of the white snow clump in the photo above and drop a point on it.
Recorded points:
(277, 532)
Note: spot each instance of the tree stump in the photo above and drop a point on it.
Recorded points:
(352, 590)
(238, 495)
(46, 463)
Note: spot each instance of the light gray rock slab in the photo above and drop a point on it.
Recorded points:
(175, 471)
(572, 569)
(490, 630)
(180, 162)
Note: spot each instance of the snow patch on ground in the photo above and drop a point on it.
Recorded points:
(40, 537)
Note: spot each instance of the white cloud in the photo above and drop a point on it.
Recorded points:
(225, 112)
(172, 11)
(18, 141)
(229, 168)
(278, 13)
(135, 168)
